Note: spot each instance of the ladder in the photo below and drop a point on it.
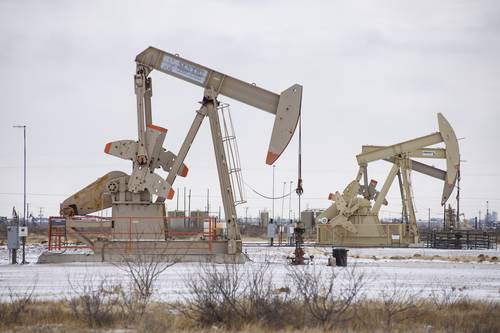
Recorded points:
(232, 154)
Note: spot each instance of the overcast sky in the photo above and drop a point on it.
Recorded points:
(374, 72)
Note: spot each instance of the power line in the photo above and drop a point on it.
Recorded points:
(258, 193)
(265, 196)
(35, 194)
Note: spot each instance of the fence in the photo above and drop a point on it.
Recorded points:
(467, 239)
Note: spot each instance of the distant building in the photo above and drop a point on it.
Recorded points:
(308, 217)
(494, 217)
(177, 220)
(40, 220)
(264, 218)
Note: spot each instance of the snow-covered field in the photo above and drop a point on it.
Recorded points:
(478, 280)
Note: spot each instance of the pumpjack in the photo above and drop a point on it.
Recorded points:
(352, 219)
(137, 200)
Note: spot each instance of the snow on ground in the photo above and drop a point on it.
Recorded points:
(478, 280)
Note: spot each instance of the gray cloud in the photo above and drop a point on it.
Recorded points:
(373, 73)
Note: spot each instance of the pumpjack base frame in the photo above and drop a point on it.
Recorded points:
(365, 241)
(179, 251)
(370, 233)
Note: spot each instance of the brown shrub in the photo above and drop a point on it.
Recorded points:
(18, 302)
(96, 302)
(327, 302)
(228, 296)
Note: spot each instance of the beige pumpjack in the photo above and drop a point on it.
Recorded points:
(352, 219)
(135, 216)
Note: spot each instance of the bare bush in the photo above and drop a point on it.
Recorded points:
(213, 295)
(259, 289)
(143, 271)
(327, 298)
(96, 302)
(231, 296)
(265, 303)
(398, 303)
(453, 300)
(18, 301)
(444, 295)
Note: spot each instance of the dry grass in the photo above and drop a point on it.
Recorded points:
(231, 298)
(370, 316)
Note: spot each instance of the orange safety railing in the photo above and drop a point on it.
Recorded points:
(56, 232)
(131, 230)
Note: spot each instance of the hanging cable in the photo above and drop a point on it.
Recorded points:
(265, 196)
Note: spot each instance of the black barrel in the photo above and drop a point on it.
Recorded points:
(340, 256)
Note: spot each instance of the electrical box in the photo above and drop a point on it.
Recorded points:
(23, 231)
(12, 237)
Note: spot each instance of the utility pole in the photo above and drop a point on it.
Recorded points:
(189, 208)
(24, 204)
(429, 227)
(480, 219)
(246, 215)
(458, 197)
(290, 202)
(487, 214)
(208, 201)
(274, 166)
(444, 218)
(40, 214)
(283, 203)
(177, 209)
(184, 207)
